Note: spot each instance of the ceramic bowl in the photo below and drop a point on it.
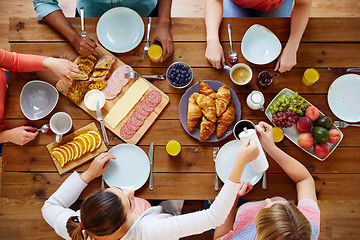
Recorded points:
(38, 99)
(259, 45)
(170, 81)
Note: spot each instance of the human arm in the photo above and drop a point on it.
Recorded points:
(19, 135)
(213, 16)
(299, 19)
(162, 31)
(305, 184)
(228, 224)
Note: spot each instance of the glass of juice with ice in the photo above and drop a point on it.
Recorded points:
(173, 148)
(311, 75)
(155, 52)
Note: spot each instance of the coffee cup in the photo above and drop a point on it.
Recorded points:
(60, 123)
(240, 125)
(240, 73)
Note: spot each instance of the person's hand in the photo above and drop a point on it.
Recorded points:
(163, 34)
(63, 68)
(215, 54)
(85, 46)
(286, 60)
(19, 135)
(97, 167)
(244, 188)
(248, 151)
(266, 136)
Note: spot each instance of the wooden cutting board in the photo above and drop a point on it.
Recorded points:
(83, 159)
(63, 87)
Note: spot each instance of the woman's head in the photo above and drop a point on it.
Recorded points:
(102, 214)
(281, 220)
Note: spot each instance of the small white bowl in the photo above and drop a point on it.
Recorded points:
(259, 45)
(38, 99)
(91, 97)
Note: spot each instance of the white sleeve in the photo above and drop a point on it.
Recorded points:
(176, 227)
(56, 211)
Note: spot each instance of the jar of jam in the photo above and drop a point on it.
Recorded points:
(264, 79)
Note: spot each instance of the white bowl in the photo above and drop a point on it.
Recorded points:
(91, 97)
(259, 45)
(38, 99)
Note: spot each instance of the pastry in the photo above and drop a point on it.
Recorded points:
(194, 113)
(222, 99)
(77, 91)
(206, 89)
(225, 120)
(105, 62)
(207, 106)
(100, 73)
(98, 85)
(207, 128)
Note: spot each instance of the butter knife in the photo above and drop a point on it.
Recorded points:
(151, 157)
(215, 151)
(99, 117)
(344, 70)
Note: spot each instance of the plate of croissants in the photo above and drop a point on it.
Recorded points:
(208, 111)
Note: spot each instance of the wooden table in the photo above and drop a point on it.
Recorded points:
(29, 175)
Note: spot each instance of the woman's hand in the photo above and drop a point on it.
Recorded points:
(215, 54)
(63, 68)
(244, 189)
(162, 34)
(286, 60)
(97, 168)
(266, 136)
(19, 135)
(248, 151)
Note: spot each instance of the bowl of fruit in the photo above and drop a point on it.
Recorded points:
(179, 75)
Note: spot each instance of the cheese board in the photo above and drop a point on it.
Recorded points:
(116, 112)
(84, 158)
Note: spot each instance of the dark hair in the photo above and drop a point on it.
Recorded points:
(101, 214)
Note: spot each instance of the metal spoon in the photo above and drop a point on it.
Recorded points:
(44, 129)
(232, 55)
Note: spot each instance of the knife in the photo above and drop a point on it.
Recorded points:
(344, 70)
(99, 117)
(151, 156)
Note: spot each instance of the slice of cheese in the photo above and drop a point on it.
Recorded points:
(124, 105)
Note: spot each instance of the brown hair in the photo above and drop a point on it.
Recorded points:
(282, 222)
(101, 214)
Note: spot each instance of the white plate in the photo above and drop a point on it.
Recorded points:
(259, 45)
(344, 97)
(120, 29)
(130, 169)
(225, 160)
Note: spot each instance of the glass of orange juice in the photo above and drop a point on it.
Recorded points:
(173, 148)
(155, 52)
(311, 75)
(278, 134)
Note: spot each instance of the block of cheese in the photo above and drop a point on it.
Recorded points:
(124, 105)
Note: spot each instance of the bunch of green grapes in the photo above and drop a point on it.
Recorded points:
(295, 103)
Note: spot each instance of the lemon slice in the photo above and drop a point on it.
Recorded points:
(75, 149)
(92, 141)
(64, 152)
(83, 143)
(59, 156)
(97, 136)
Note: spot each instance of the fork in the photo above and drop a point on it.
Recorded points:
(147, 44)
(215, 151)
(82, 17)
(341, 124)
(136, 75)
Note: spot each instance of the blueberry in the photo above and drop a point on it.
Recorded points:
(177, 71)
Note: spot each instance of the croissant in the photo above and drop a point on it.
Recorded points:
(222, 99)
(206, 89)
(194, 113)
(225, 119)
(207, 128)
(207, 106)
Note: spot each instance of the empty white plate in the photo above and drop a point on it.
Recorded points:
(130, 169)
(225, 160)
(344, 97)
(259, 45)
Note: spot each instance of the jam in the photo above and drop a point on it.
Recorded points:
(264, 80)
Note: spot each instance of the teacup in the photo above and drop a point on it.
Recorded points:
(60, 123)
(240, 73)
(240, 125)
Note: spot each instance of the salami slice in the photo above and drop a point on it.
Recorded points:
(153, 98)
(135, 121)
(145, 107)
(141, 115)
(131, 126)
(124, 134)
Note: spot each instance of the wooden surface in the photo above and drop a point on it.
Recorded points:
(29, 176)
(63, 87)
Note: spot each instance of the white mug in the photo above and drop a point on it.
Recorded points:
(245, 69)
(60, 123)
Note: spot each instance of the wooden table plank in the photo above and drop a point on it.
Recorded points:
(193, 29)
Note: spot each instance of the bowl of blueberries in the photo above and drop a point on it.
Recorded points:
(179, 75)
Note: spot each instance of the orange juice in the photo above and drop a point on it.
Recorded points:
(173, 147)
(278, 134)
(155, 52)
(311, 75)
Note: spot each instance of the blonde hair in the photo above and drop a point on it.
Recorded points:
(282, 222)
